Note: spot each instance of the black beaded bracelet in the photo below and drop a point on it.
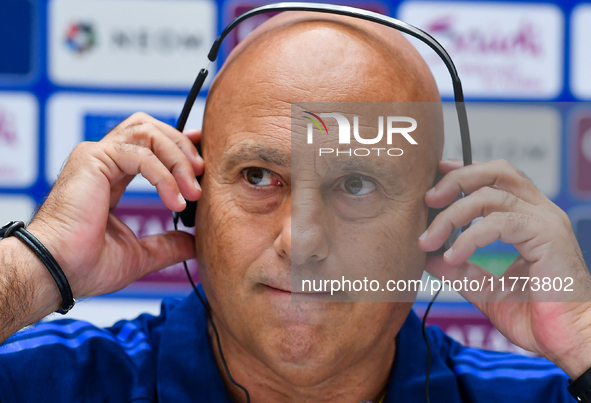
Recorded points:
(17, 229)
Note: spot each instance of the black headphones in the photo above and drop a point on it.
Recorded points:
(187, 216)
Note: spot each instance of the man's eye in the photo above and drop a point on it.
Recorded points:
(259, 177)
(357, 185)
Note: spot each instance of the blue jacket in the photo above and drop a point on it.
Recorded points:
(169, 358)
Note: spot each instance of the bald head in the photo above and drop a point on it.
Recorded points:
(309, 56)
(317, 57)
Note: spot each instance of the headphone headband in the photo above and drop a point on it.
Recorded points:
(350, 12)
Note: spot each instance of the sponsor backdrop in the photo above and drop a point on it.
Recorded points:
(70, 70)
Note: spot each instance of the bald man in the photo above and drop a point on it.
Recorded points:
(276, 349)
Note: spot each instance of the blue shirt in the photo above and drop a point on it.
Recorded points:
(169, 358)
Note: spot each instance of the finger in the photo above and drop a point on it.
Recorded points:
(451, 164)
(481, 203)
(129, 159)
(186, 145)
(468, 179)
(166, 249)
(194, 135)
(527, 232)
(149, 136)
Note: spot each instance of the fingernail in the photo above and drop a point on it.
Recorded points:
(190, 131)
(182, 200)
(423, 235)
(448, 253)
(431, 191)
(198, 158)
(196, 184)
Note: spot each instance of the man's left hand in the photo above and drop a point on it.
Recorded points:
(554, 324)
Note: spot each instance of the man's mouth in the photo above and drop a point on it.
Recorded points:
(278, 290)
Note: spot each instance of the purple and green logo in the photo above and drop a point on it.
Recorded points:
(315, 122)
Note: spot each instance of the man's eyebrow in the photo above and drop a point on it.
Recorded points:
(355, 165)
(383, 173)
(255, 152)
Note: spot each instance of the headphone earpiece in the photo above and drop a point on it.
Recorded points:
(187, 216)
(455, 233)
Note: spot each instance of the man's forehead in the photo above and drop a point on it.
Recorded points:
(278, 153)
(276, 137)
(254, 128)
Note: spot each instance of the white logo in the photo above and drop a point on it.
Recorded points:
(131, 43)
(345, 133)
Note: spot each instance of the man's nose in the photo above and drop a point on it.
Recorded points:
(308, 222)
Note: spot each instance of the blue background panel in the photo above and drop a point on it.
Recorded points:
(96, 126)
(16, 37)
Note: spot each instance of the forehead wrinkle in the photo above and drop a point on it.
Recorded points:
(242, 152)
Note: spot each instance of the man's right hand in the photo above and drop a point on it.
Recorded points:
(98, 253)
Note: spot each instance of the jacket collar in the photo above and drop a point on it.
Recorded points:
(407, 379)
(187, 370)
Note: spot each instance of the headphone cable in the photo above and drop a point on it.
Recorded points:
(428, 346)
(215, 330)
